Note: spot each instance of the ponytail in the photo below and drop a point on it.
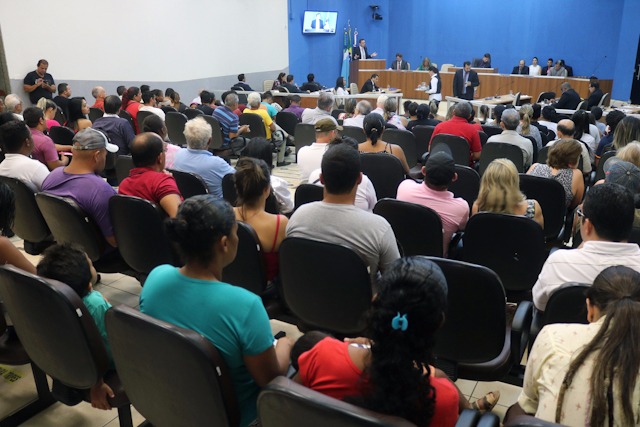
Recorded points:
(128, 95)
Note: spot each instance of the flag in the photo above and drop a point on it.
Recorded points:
(346, 52)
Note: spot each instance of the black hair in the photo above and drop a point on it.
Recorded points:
(339, 82)
(597, 112)
(304, 344)
(206, 97)
(581, 121)
(153, 123)
(62, 87)
(550, 114)
(201, 222)
(67, 263)
(259, 148)
(374, 75)
(289, 78)
(8, 117)
(413, 108)
(610, 208)
(145, 149)
(537, 109)
(295, 98)
(112, 104)
(351, 142)
(267, 95)
(466, 63)
(423, 111)
(340, 168)
(240, 77)
(373, 127)
(613, 118)
(75, 111)
(7, 208)
(252, 177)
(168, 92)
(128, 95)
(32, 116)
(12, 136)
(145, 88)
(146, 96)
(594, 85)
(497, 113)
(224, 94)
(310, 77)
(120, 90)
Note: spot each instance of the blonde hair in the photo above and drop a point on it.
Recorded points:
(526, 113)
(630, 153)
(450, 113)
(500, 188)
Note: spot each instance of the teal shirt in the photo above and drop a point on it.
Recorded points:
(232, 318)
(270, 109)
(97, 307)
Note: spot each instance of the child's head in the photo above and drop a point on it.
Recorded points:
(68, 264)
(304, 344)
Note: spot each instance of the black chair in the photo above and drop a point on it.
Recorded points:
(61, 135)
(175, 127)
(476, 302)
(545, 96)
(124, 164)
(417, 228)
(550, 195)
(247, 269)
(544, 136)
(467, 185)
(284, 403)
(423, 136)
(457, 146)
(406, 140)
(326, 286)
(510, 245)
(385, 172)
(189, 184)
(229, 189)
(305, 135)
(534, 146)
(288, 122)
(491, 130)
(543, 154)
(60, 336)
(142, 116)
(192, 113)
(256, 125)
(335, 113)
(95, 113)
(499, 150)
(483, 138)
(354, 132)
(143, 348)
(168, 109)
(530, 421)
(139, 228)
(217, 139)
(600, 168)
(60, 117)
(28, 223)
(307, 193)
(128, 117)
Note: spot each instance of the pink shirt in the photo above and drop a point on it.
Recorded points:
(453, 211)
(44, 150)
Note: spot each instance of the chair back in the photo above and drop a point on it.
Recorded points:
(142, 116)
(467, 185)
(124, 164)
(510, 245)
(54, 327)
(69, 224)
(29, 223)
(600, 168)
(385, 172)
(417, 228)
(61, 135)
(143, 348)
(483, 138)
(457, 146)
(530, 421)
(567, 305)
(305, 135)
(128, 117)
(229, 189)
(175, 126)
(284, 403)
(516, 99)
(267, 85)
(95, 113)
(335, 113)
(248, 269)
(217, 139)
(499, 150)
(168, 109)
(325, 285)
(604, 101)
(256, 125)
(534, 146)
(491, 130)
(543, 154)
(307, 193)
(354, 132)
(423, 136)
(189, 183)
(582, 105)
(406, 140)
(288, 122)
(139, 229)
(192, 113)
(550, 195)
(545, 96)
(354, 89)
(60, 117)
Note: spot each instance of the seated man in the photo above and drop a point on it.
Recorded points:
(336, 219)
(99, 94)
(255, 107)
(63, 98)
(80, 180)
(267, 102)
(509, 122)
(295, 107)
(310, 157)
(241, 84)
(17, 145)
(208, 102)
(290, 85)
(150, 104)
(439, 172)
(199, 160)
(322, 111)
(459, 125)
(569, 99)
(362, 109)
(229, 120)
(565, 130)
(148, 180)
(44, 150)
(311, 85)
(606, 221)
(521, 68)
(115, 127)
(595, 95)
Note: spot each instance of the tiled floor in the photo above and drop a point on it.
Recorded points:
(120, 289)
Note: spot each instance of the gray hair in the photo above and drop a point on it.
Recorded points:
(95, 91)
(197, 132)
(363, 108)
(565, 86)
(325, 101)
(11, 101)
(391, 105)
(463, 109)
(254, 99)
(381, 100)
(510, 118)
(231, 100)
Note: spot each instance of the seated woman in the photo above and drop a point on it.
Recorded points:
(525, 128)
(279, 81)
(9, 254)
(195, 297)
(425, 65)
(131, 104)
(349, 109)
(581, 120)
(562, 162)
(423, 117)
(50, 109)
(373, 128)
(155, 124)
(581, 375)
(500, 193)
(390, 116)
(389, 371)
(78, 111)
(339, 88)
(175, 102)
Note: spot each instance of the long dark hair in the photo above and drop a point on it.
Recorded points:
(616, 292)
(128, 95)
(75, 112)
(398, 377)
(339, 82)
(252, 178)
(373, 127)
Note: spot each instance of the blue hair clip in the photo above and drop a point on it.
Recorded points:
(400, 322)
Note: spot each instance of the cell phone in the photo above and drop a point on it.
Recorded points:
(280, 335)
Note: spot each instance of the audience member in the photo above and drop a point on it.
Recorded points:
(131, 104)
(373, 128)
(77, 118)
(549, 118)
(17, 145)
(630, 153)
(50, 109)
(38, 83)
(207, 102)
(595, 95)
(580, 120)
(267, 102)
(606, 143)
(229, 120)
(536, 112)
(569, 99)
(295, 107)
(526, 128)
(44, 150)
(423, 118)
(150, 104)
(118, 130)
(253, 100)
(13, 104)
(597, 115)
(509, 122)
(390, 116)
(9, 253)
(311, 85)
(322, 111)
(459, 126)
(290, 85)
(566, 130)
(380, 101)
(628, 130)
(176, 103)
(362, 109)
(310, 156)
(63, 98)
(99, 94)
(155, 124)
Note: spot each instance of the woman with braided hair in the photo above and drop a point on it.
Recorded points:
(581, 375)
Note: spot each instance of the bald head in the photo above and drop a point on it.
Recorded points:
(565, 86)
(566, 128)
(146, 150)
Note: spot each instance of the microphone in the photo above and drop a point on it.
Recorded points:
(593, 73)
(509, 83)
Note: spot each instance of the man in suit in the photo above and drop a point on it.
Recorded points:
(595, 95)
(241, 84)
(360, 51)
(464, 81)
(569, 99)
(311, 85)
(399, 63)
(546, 71)
(290, 85)
(317, 23)
(521, 69)
(370, 85)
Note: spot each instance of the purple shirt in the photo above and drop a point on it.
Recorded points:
(89, 191)
(44, 150)
(295, 109)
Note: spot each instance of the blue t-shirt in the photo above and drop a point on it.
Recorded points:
(202, 162)
(232, 318)
(97, 307)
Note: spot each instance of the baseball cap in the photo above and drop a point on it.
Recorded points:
(440, 168)
(623, 173)
(92, 139)
(326, 125)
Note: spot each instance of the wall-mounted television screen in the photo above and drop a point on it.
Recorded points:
(316, 22)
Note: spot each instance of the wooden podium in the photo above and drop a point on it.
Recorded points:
(364, 64)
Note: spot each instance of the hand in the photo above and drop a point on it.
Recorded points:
(245, 128)
(374, 54)
(284, 341)
(358, 340)
(99, 394)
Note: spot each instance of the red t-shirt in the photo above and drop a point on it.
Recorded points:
(132, 108)
(99, 104)
(328, 369)
(460, 127)
(149, 185)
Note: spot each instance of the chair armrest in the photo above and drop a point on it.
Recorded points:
(520, 328)
(455, 247)
(591, 179)
(536, 326)
(488, 419)
(468, 418)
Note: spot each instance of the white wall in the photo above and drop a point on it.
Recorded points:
(167, 42)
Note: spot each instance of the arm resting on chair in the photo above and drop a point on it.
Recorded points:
(520, 330)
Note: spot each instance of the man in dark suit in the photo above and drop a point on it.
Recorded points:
(370, 85)
(290, 85)
(317, 24)
(595, 95)
(360, 51)
(569, 99)
(521, 69)
(311, 85)
(464, 81)
(399, 63)
(241, 85)
(546, 70)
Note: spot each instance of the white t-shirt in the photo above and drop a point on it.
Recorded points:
(365, 194)
(310, 159)
(535, 70)
(26, 169)
(157, 111)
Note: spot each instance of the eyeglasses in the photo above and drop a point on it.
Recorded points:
(580, 213)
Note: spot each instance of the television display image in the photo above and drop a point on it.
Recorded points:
(316, 22)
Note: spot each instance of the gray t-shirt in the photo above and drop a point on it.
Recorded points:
(369, 235)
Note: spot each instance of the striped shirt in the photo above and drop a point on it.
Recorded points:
(228, 122)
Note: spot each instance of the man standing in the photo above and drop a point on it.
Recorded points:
(17, 145)
(116, 128)
(521, 69)
(370, 85)
(38, 83)
(149, 104)
(310, 157)
(509, 123)
(360, 52)
(322, 111)
(399, 63)
(99, 94)
(62, 100)
(459, 125)
(595, 95)
(569, 99)
(464, 82)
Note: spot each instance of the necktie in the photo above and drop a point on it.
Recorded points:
(466, 78)
(398, 66)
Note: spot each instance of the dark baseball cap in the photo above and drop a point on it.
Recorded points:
(440, 168)
(326, 125)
